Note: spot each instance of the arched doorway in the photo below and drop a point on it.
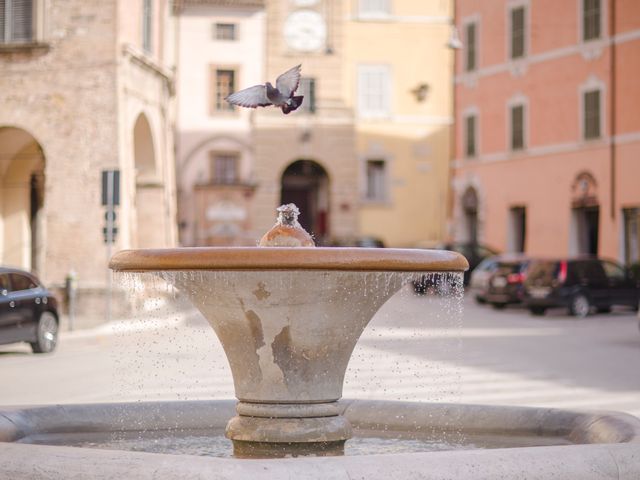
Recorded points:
(149, 197)
(21, 199)
(306, 183)
(585, 215)
(470, 211)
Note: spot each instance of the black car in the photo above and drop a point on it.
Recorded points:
(473, 252)
(579, 284)
(28, 311)
(506, 284)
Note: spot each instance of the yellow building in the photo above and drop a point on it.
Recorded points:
(399, 81)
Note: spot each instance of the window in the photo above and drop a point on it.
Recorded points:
(21, 282)
(147, 16)
(224, 168)
(470, 42)
(376, 180)
(225, 31)
(374, 7)
(517, 127)
(16, 21)
(592, 114)
(223, 85)
(373, 91)
(4, 284)
(470, 125)
(613, 271)
(518, 32)
(308, 89)
(591, 19)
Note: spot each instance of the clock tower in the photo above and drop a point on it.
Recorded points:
(308, 157)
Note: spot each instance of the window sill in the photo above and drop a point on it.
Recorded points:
(24, 47)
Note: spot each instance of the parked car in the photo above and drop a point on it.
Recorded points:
(28, 311)
(506, 284)
(479, 278)
(365, 242)
(473, 252)
(579, 284)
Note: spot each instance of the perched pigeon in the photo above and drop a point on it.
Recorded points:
(265, 95)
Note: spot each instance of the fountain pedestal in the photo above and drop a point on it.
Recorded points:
(288, 320)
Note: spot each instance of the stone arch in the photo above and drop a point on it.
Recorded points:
(307, 184)
(150, 215)
(22, 196)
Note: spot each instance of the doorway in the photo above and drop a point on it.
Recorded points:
(517, 229)
(306, 183)
(585, 225)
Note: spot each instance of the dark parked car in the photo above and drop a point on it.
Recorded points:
(28, 311)
(473, 252)
(506, 284)
(579, 284)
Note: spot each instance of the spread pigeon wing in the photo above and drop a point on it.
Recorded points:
(251, 97)
(287, 83)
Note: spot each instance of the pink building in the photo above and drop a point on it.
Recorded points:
(547, 105)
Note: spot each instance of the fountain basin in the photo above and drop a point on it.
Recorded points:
(511, 442)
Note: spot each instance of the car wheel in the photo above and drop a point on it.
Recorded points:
(538, 311)
(47, 334)
(480, 300)
(498, 306)
(580, 306)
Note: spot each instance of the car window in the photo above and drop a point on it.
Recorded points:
(543, 271)
(613, 271)
(594, 271)
(4, 284)
(485, 252)
(488, 264)
(21, 282)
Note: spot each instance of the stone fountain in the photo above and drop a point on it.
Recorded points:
(288, 318)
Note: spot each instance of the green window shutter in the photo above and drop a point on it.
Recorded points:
(21, 20)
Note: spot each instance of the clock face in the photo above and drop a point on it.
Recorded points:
(305, 31)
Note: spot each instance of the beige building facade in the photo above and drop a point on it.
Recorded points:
(85, 87)
(398, 70)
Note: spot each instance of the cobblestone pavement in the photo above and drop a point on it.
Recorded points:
(416, 348)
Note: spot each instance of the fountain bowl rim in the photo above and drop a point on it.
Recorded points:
(288, 258)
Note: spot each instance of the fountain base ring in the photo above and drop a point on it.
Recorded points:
(288, 435)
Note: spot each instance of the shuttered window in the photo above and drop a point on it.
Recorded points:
(470, 41)
(374, 7)
(470, 133)
(223, 84)
(147, 17)
(308, 89)
(591, 15)
(592, 114)
(517, 127)
(374, 91)
(518, 32)
(376, 180)
(16, 21)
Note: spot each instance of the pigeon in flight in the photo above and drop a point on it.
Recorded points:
(264, 95)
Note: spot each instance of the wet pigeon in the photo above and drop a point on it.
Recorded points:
(265, 95)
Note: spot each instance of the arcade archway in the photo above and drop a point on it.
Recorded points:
(22, 190)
